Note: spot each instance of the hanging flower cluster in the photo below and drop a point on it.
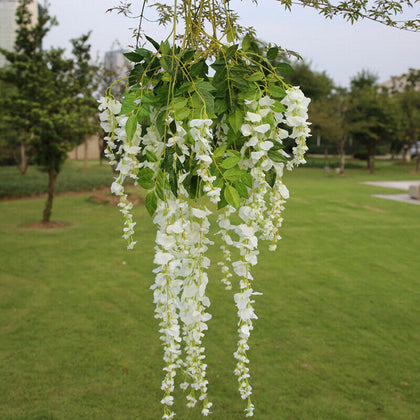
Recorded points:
(196, 144)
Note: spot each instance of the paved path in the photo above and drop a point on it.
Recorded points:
(399, 185)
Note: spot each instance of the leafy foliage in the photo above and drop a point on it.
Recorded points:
(53, 106)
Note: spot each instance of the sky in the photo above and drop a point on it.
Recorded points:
(334, 46)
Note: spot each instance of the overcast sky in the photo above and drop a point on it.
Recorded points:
(335, 46)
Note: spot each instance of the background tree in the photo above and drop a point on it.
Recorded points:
(328, 120)
(25, 61)
(52, 107)
(370, 116)
(408, 97)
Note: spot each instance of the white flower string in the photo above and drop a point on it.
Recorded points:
(121, 155)
(165, 159)
(166, 291)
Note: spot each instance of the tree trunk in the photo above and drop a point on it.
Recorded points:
(86, 154)
(342, 156)
(101, 149)
(24, 161)
(52, 177)
(371, 163)
(326, 155)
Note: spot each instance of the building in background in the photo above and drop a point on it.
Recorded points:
(8, 24)
(116, 62)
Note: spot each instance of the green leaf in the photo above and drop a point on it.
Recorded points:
(151, 157)
(270, 177)
(246, 178)
(132, 56)
(142, 113)
(198, 69)
(173, 182)
(235, 120)
(220, 106)
(233, 174)
(231, 34)
(147, 184)
(205, 86)
(284, 68)
(231, 51)
(257, 76)
(230, 162)
(222, 203)
(181, 114)
(172, 127)
(145, 174)
(165, 48)
(208, 99)
(159, 192)
(232, 196)
(160, 122)
(168, 160)
(232, 152)
(276, 145)
(276, 91)
(131, 126)
(153, 42)
(128, 103)
(151, 203)
(272, 53)
(246, 42)
(276, 156)
(220, 151)
(242, 190)
(278, 107)
(179, 103)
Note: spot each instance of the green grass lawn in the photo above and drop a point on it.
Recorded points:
(337, 338)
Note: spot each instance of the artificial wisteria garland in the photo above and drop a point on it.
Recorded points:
(197, 144)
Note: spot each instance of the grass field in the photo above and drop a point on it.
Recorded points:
(338, 336)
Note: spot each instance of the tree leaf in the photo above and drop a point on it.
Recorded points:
(246, 178)
(220, 151)
(153, 42)
(132, 56)
(147, 184)
(284, 68)
(278, 107)
(276, 156)
(270, 177)
(242, 189)
(128, 103)
(272, 53)
(173, 182)
(231, 51)
(151, 157)
(145, 174)
(276, 91)
(232, 152)
(235, 120)
(232, 196)
(257, 76)
(230, 162)
(233, 174)
(151, 203)
(246, 42)
(131, 126)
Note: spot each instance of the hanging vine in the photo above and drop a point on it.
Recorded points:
(200, 143)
